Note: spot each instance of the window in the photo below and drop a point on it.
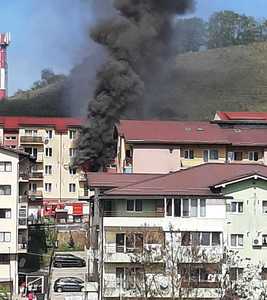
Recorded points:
(129, 242)
(5, 189)
(72, 187)
(5, 166)
(264, 273)
(48, 152)
(72, 152)
(5, 213)
(236, 207)
(4, 259)
(253, 155)
(72, 134)
(33, 187)
(211, 154)
(10, 137)
(31, 132)
(189, 154)
(135, 205)
(201, 238)
(236, 273)
(48, 170)
(238, 155)
(237, 240)
(129, 278)
(48, 187)
(264, 240)
(72, 171)
(186, 207)
(264, 207)
(5, 236)
(49, 133)
(31, 151)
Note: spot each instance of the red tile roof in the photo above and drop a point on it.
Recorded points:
(194, 181)
(246, 116)
(60, 124)
(178, 132)
(112, 180)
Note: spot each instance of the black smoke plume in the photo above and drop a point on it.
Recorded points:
(136, 75)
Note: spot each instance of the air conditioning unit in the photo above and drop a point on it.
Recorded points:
(257, 242)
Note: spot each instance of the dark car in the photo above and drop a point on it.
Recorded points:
(68, 260)
(68, 284)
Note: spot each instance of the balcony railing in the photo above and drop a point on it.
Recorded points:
(23, 175)
(23, 221)
(23, 199)
(142, 214)
(35, 175)
(31, 139)
(35, 195)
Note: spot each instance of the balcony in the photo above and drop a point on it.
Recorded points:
(40, 157)
(23, 199)
(84, 194)
(142, 214)
(121, 254)
(23, 222)
(22, 247)
(23, 176)
(35, 195)
(37, 140)
(36, 176)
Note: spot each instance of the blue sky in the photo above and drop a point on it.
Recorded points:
(54, 33)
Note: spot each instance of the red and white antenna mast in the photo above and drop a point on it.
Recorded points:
(4, 43)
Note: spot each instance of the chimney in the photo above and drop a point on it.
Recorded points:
(4, 43)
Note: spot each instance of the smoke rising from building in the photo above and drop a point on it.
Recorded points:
(134, 79)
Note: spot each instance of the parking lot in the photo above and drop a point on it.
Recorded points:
(66, 272)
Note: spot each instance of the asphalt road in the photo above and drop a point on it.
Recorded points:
(65, 272)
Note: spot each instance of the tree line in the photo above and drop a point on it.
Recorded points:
(223, 29)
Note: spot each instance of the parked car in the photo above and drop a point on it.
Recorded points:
(68, 260)
(69, 284)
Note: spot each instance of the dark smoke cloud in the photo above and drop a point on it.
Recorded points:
(136, 74)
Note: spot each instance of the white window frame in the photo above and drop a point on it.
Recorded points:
(209, 152)
(5, 236)
(200, 238)
(48, 152)
(72, 134)
(31, 132)
(187, 153)
(49, 134)
(72, 188)
(48, 169)
(7, 212)
(237, 206)
(237, 236)
(7, 166)
(199, 201)
(5, 188)
(72, 171)
(134, 206)
(33, 187)
(48, 187)
(264, 211)
(72, 152)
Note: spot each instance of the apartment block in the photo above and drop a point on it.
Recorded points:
(198, 215)
(55, 189)
(168, 146)
(14, 177)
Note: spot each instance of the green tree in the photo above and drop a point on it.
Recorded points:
(227, 28)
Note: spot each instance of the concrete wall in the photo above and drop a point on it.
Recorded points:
(156, 159)
(252, 223)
